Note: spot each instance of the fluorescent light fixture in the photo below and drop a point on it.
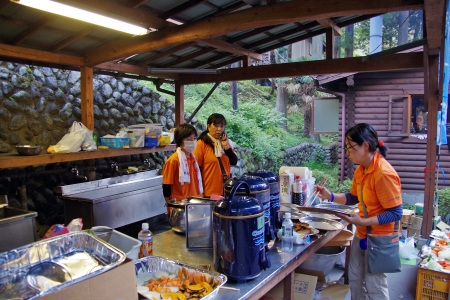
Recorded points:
(83, 15)
(183, 70)
(176, 22)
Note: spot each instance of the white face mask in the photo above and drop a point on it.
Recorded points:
(189, 146)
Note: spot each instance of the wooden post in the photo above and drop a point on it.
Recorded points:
(87, 97)
(179, 103)
(432, 102)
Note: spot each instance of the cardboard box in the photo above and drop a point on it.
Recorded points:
(119, 283)
(335, 274)
(304, 288)
(336, 292)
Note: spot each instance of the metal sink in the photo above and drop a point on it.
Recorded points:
(17, 228)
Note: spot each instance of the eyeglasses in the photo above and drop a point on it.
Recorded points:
(346, 148)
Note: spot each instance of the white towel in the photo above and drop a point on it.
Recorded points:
(183, 174)
(218, 148)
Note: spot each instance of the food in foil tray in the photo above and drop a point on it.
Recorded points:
(160, 278)
(54, 263)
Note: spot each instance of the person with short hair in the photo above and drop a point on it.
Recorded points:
(215, 155)
(181, 173)
(376, 183)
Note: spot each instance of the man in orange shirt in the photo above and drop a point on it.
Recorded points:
(181, 174)
(377, 184)
(215, 155)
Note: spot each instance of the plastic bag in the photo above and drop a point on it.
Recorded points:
(79, 137)
(88, 143)
(407, 250)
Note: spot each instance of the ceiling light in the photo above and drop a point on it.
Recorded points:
(83, 15)
(183, 70)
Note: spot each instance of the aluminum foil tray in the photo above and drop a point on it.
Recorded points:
(52, 264)
(156, 263)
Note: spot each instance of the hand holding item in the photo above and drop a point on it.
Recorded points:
(353, 218)
(224, 141)
(322, 192)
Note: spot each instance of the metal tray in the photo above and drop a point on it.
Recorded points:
(322, 224)
(50, 265)
(332, 209)
(156, 263)
(199, 231)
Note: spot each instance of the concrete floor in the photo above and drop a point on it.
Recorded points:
(402, 285)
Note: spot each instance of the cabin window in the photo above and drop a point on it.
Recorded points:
(399, 122)
(419, 116)
(325, 115)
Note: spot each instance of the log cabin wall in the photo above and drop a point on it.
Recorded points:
(368, 102)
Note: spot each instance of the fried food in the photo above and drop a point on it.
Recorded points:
(302, 228)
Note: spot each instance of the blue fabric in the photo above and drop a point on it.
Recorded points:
(391, 215)
(351, 199)
(442, 118)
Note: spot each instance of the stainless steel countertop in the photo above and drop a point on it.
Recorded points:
(172, 245)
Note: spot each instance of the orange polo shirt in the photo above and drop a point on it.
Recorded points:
(380, 188)
(210, 167)
(170, 176)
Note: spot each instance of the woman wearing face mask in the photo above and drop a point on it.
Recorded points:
(181, 174)
(215, 155)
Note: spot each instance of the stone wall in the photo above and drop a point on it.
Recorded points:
(39, 104)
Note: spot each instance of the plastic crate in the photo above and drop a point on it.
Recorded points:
(116, 142)
(432, 285)
(125, 243)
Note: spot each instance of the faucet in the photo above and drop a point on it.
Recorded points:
(114, 169)
(147, 163)
(77, 174)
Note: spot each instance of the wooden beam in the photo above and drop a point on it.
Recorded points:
(434, 13)
(179, 103)
(231, 48)
(280, 13)
(328, 23)
(329, 41)
(432, 102)
(87, 97)
(127, 68)
(21, 53)
(402, 61)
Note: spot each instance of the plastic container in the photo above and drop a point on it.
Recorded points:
(418, 208)
(126, 243)
(297, 189)
(432, 285)
(151, 141)
(287, 237)
(115, 142)
(145, 236)
(136, 137)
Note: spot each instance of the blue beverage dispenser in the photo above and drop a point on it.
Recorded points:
(238, 235)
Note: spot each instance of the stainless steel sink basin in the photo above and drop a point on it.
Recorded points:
(17, 228)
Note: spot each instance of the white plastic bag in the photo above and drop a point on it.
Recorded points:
(73, 141)
(88, 143)
(407, 250)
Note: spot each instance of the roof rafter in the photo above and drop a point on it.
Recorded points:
(279, 13)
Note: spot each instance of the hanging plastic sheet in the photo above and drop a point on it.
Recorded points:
(442, 118)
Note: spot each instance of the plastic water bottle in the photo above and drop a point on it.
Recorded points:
(287, 237)
(297, 189)
(146, 237)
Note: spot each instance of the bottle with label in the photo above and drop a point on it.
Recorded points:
(297, 191)
(287, 237)
(146, 237)
(404, 233)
